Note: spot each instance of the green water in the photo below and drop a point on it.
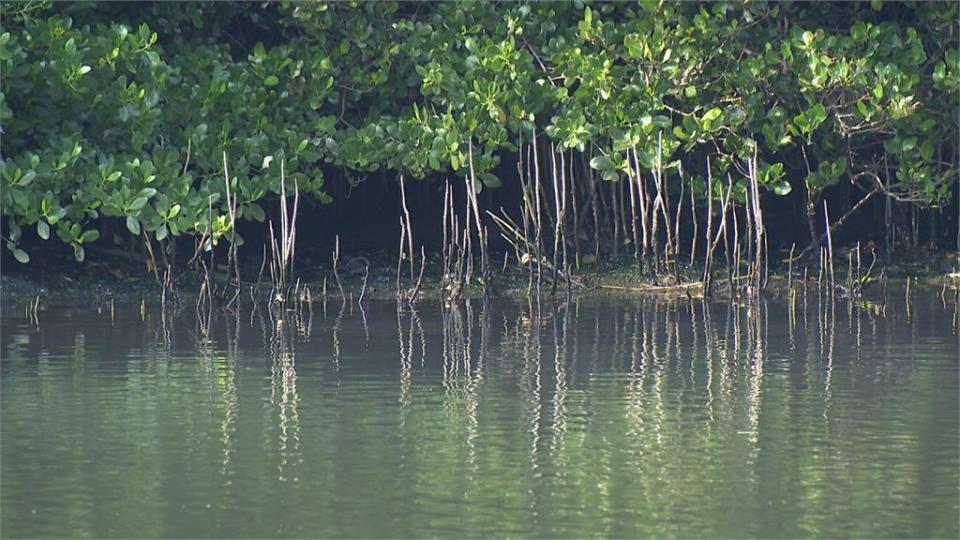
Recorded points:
(610, 418)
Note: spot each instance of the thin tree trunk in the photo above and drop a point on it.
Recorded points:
(633, 216)
(539, 222)
(708, 259)
(757, 222)
(409, 227)
(693, 215)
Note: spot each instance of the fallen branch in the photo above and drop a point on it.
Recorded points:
(838, 223)
(507, 226)
(697, 285)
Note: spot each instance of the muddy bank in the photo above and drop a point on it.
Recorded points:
(373, 279)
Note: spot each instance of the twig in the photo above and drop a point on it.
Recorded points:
(826, 217)
(409, 226)
(363, 287)
(336, 275)
(423, 264)
(839, 222)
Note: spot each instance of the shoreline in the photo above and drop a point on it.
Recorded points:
(68, 286)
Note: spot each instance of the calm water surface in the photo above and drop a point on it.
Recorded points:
(611, 418)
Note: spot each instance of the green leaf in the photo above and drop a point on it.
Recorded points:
(601, 163)
(254, 212)
(939, 72)
(782, 187)
(809, 120)
(838, 167)
(79, 253)
(162, 232)
(43, 229)
(859, 30)
(133, 225)
(711, 115)
(271, 80)
(57, 215)
(878, 91)
(89, 236)
(21, 255)
(138, 203)
(817, 114)
(709, 119)
(736, 116)
(815, 182)
(490, 180)
(773, 173)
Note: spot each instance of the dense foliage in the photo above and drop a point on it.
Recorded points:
(130, 113)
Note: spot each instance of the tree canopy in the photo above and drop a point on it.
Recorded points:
(131, 112)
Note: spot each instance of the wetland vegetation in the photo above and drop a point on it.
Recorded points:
(555, 269)
(685, 143)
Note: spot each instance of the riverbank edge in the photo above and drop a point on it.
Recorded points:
(73, 285)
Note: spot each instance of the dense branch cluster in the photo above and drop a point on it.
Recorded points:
(123, 113)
